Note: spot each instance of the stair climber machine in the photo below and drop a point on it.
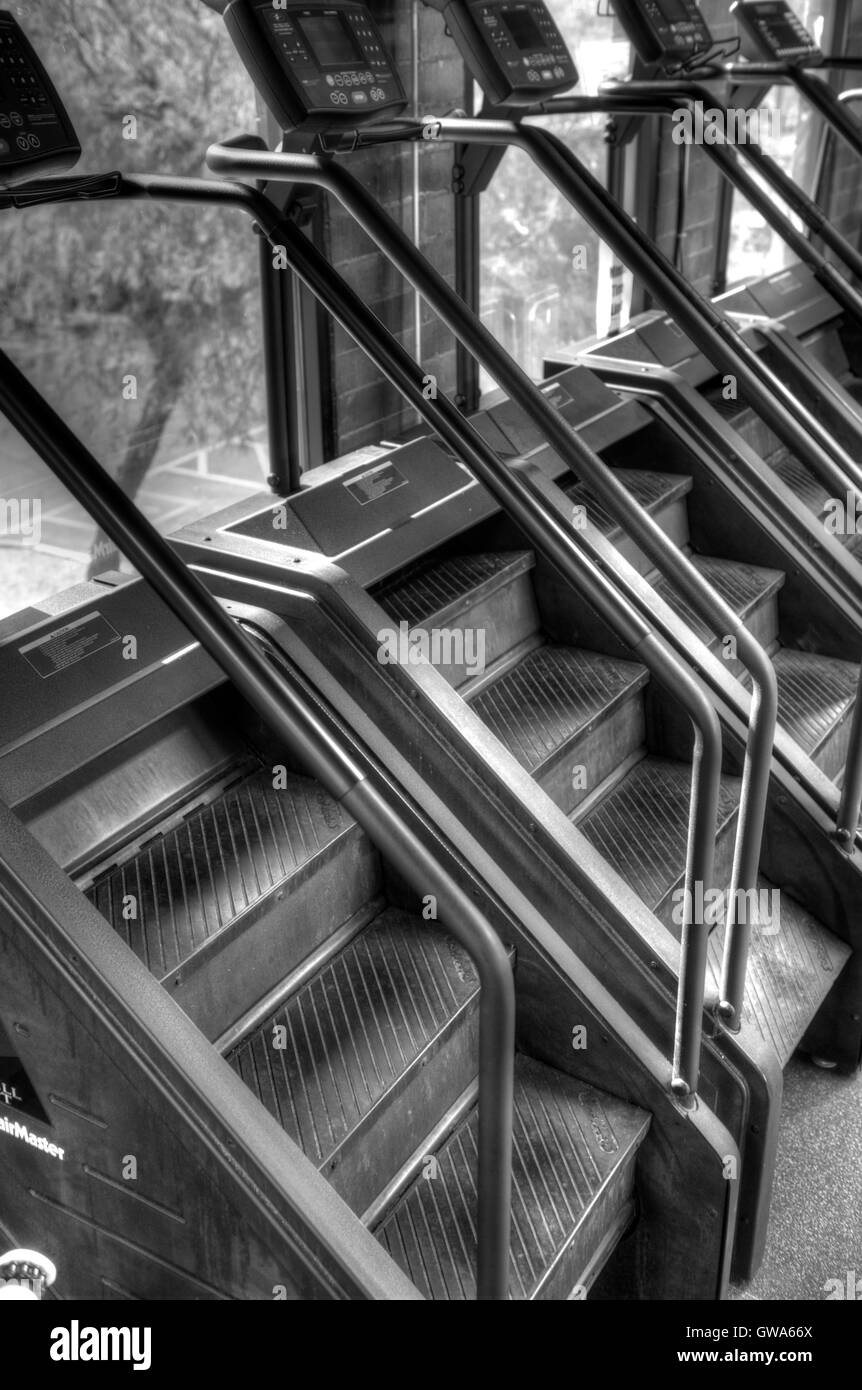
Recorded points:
(803, 322)
(271, 814)
(718, 458)
(777, 48)
(263, 897)
(567, 748)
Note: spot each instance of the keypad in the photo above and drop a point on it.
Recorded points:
(361, 87)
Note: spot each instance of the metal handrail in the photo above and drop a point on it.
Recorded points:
(665, 98)
(851, 95)
(515, 491)
(811, 440)
(121, 519)
(317, 742)
(817, 92)
(587, 465)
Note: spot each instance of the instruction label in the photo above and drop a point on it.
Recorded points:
(66, 646)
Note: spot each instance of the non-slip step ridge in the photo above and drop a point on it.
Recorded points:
(439, 589)
(743, 587)
(573, 1157)
(652, 490)
(641, 825)
(223, 860)
(327, 1057)
(553, 694)
(793, 963)
(815, 693)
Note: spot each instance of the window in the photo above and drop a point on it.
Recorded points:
(547, 282)
(791, 132)
(138, 321)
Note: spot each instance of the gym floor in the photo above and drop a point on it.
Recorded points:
(815, 1227)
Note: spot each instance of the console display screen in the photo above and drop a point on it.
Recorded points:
(330, 40)
(675, 11)
(524, 30)
(783, 34)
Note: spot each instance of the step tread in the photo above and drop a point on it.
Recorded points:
(552, 694)
(743, 587)
(221, 861)
(570, 1141)
(799, 479)
(641, 825)
(790, 972)
(641, 828)
(356, 1027)
(445, 585)
(652, 490)
(814, 694)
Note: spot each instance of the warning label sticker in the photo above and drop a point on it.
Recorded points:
(66, 646)
(376, 483)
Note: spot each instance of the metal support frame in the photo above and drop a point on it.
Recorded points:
(666, 98)
(277, 702)
(552, 536)
(720, 340)
(587, 465)
(313, 737)
(316, 741)
(816, 92)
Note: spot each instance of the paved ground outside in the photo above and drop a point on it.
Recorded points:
(56, 555)
(814, 1242)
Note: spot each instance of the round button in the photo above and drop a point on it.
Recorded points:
(4, 147)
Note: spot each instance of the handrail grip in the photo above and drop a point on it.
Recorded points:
(587, 465)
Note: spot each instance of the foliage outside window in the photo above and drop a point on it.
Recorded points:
(139, 322)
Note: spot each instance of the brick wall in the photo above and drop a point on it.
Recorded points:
(367, 409)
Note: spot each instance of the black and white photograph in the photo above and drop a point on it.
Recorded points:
(430, 671)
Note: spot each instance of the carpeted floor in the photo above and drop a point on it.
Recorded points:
(815, 1228)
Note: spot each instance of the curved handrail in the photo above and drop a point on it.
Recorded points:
(802, 76)
(666, 98)
(319, 745)
(587, 465)
(553, 537)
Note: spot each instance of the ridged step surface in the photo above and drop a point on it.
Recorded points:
(239, 892)
(641, 825)
(573, 1169)
(792, 965)
(641, 828)
(653, 491)
(439, 589)
(487, 594)
(383, 1034)
(554, 694)
(746, 588)
(800, 480)
(816, 695)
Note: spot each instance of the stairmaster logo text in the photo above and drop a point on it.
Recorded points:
(77, 1343)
